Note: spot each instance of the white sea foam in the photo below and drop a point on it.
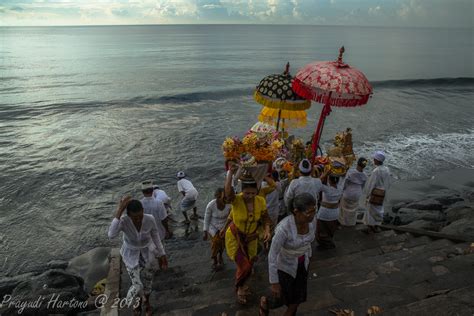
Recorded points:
(419, 156)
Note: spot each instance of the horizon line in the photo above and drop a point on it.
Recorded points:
(236, 24)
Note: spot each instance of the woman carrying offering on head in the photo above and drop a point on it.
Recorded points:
(248, 214)
(328, 213)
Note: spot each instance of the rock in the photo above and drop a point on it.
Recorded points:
(428, 204)
(57, 264)
(399, 205)
(387, 218)
(440, 270)
(456, 251)
(7, 285)
(91, 266)
(407, 215)
(424, 224)
(436, 259)
(462, 227)
(459, 212)
(65, 292)
(448, 200)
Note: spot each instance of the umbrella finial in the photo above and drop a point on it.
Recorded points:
(341, 51)
(287, 69)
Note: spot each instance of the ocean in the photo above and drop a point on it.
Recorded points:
(86, 113)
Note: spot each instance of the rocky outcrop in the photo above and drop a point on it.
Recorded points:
(461, 227)
(428, 204)
(424, 224)
(408, 215)
(59, 287)
(52, 292)
(459, 212)
(8, 284)
(57, 264)
(445, 211)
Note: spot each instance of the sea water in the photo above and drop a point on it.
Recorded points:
(86, 113)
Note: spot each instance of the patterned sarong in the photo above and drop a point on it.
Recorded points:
(217, 245)
(244, 264)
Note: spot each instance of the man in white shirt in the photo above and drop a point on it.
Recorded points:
(304, 184)
(161, 195)
(190, 194)
(376, 189)
(156, 208)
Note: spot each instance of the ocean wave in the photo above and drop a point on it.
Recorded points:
(462, 81)
(205, 95)
(419, 156)
(192, 97)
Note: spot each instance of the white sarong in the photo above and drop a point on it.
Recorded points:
(347, 215)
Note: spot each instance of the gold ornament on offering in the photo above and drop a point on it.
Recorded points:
(341, 155)
(232, 148)
(297, 150)
(337, 166)
(264, 147)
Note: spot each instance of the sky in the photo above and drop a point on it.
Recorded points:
(400, 13)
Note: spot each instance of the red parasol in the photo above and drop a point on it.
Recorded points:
(331, 83)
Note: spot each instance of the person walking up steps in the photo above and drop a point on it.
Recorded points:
(304, 184)
(142, 250)
(248, 214)
(215, 218)
(290, 253)
(190, 194)
(156, 208)
(161, 195)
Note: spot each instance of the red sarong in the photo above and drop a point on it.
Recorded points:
(244, 264)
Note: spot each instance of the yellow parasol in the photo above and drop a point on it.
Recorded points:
(280, 102)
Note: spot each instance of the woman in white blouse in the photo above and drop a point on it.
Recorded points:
(328, 213)
(140, 249)
(289, 255)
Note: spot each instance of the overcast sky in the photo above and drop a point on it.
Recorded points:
(429, 13)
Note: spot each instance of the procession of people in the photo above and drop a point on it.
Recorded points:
(245, 220)
(279, 196)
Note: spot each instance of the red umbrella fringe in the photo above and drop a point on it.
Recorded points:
(310, 94)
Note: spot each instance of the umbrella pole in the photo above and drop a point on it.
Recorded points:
(319, 130)
(278, 120)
